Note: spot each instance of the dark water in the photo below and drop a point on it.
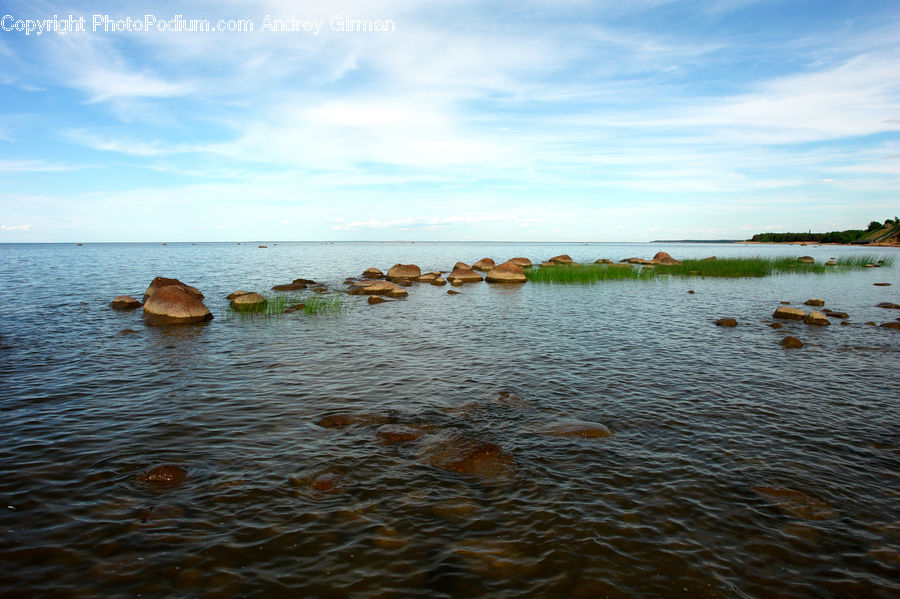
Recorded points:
(687, 497)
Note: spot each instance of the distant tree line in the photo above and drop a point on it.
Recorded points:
(848, 236)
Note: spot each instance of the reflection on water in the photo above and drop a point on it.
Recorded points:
(402, 449)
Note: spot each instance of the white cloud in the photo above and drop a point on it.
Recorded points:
(35, 166)
(15, 227)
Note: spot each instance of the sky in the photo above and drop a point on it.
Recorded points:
(501, 121)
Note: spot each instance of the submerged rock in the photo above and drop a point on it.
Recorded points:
(167, 474)
(790, 342)
(796, 503)
(248, 301)
(346, 420)
(160, 282)
(390, 434)
(726, 322)
(814, 302)
(789, 313)
(506, 273)
(372, 273)
(124, 302)
(776, 325)
(888, 305)
(485, 264)
(402, 282)
(452, 450)
(174, 305)
(403, 271)
(574, 428)
(459, 276)
(816, 318)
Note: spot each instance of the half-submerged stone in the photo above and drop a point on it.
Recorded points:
(366, 287)
(248, 301)
(403, 271)
(452, 450)
(726, 322)
(235, 294)
(574, 428)
(485, 264)
(160, 282)
(520, 262)
(789, 313)
(124, 302)
(173, 304)
(814, 302)
(460, 275)
(506, 273)
(790, 342)
(805, 260)
(373, 273)
(817, 318)
(561, 259)
(664, 258)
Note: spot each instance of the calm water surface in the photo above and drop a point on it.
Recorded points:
(735, 468)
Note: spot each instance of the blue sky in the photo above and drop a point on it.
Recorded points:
(531, 121)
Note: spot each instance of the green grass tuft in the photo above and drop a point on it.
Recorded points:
(585, 273)
(277, 304)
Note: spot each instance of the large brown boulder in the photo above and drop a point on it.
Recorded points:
(159, 282)
(174, 304)
(366, 287)
(372, 273)
(452, 450)
(460, 276)
(664, 258)
(506, 273)
(248, 301)
(561, 259)
(124, 302)
(520, 262)
(461, 266)
(485, 264)
(403, 271)
(789, 313)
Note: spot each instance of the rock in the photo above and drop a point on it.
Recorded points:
(882, 284)
(464, 276)
(691, 291)
(785, 303)
(452, 450)
(888, 305)
(403, 271)
(372, 273)
(817, 318)
(304, 282)
(167, 474)
(805, 260)
(326, 482)
(485, 264)
(603, 261)
(390, 434)
(403, 282)
(439, 281)
(506, 273)
(374, 299)
(289, 287)
(831, 263)
(789, 313)
(574, 428)
(790, 342)
(726, 322)
(428, 277)
(124, 302)
(234, 294)
(561, 259)
(776, 325)
(871, 323)
(814, 302)
(845, 323)
(159, 282)
(366, 287)
(461, 266)
(869, 266)
(345, 420)
(456, 283)
(636, 261)
(833, 314)
(708, 259)
(248, 301)
(892, 325)
(796, 503)
(262, 246)
(664, 258)
(452, 292)
(173, 304)
(520, 262)
(128, 332)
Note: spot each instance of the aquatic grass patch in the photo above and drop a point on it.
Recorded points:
(585, 273)
(863, 259)
(278, 304)
(725, 267)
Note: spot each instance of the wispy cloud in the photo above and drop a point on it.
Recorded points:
(15, 227)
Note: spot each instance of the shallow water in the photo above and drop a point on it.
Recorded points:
(709, 425)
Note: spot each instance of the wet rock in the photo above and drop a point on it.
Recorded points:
(789, 313)
(366, 287)
(372, 273)
(833, 314)
(461, 266)
(403, 271)
(872, 323)
(506, 273)
(167, 474)
(785, 303)
(160, 282)
(892, 325)
(520, 262)
(234, 294)
(888, 305)
(124, 302)
(574, 428)
(346, 420)
(439, 282)
(776, 325)
(691, 291)
(128, 332)
(376, 299)
(814, 302)
(845, 323)
(428, 277)
(664, 258)
(882, 284)
(485, 264)
(174, 305)
(790, 342)
(289, 287)
(805, 260)
(391, 434)
(402, 282)
(817, 318)
(464, 276)
(509, 398)
(561, 259)
(452, 450)
(452, 292)
(726, 322)
(796, 503)
(248, 301)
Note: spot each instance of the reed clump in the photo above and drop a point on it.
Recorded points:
(585, 273)
(278, 304)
